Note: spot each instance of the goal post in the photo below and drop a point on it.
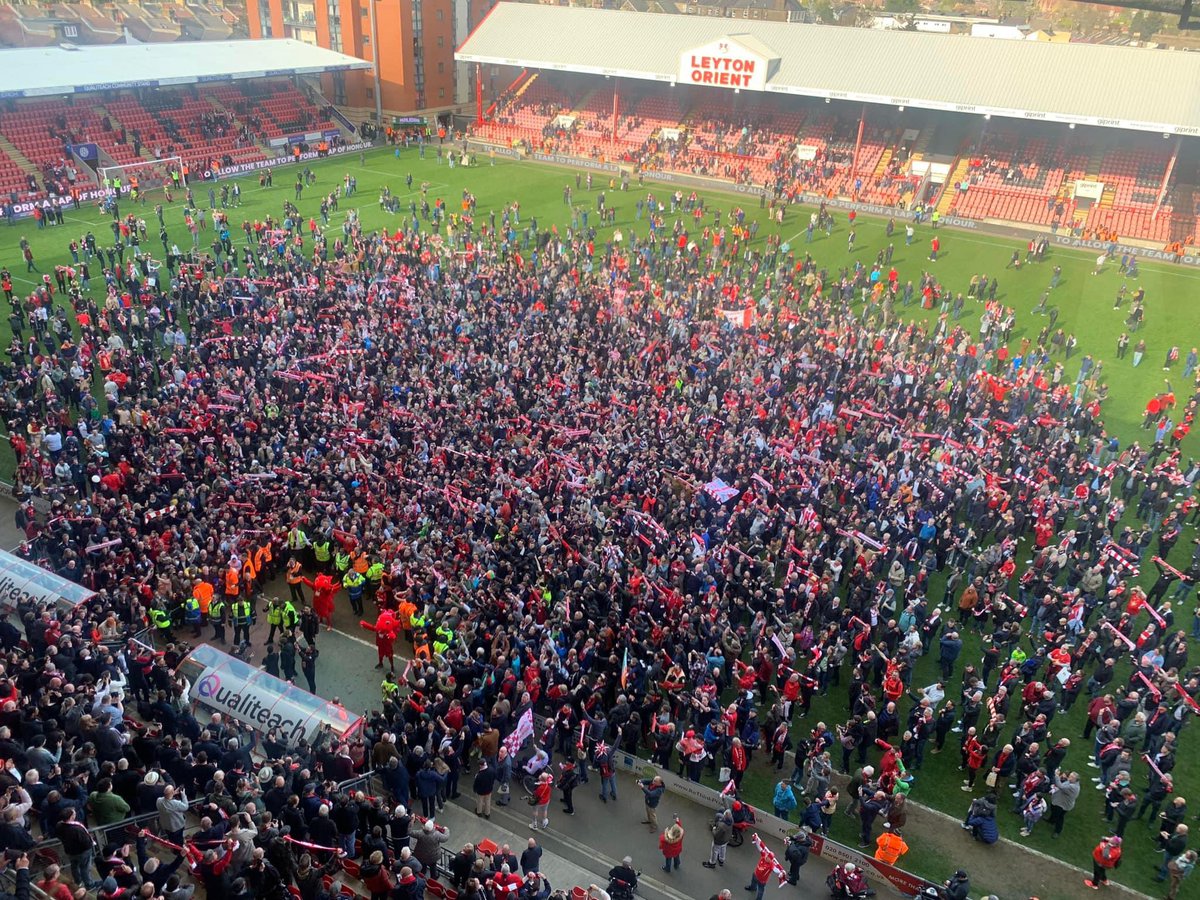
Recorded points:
(149, 177)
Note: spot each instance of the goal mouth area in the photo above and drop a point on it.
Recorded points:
(146, 177)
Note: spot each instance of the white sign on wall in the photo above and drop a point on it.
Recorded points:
(724, 63)
(1089, 190)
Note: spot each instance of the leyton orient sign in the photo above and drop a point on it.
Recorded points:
(724, 63)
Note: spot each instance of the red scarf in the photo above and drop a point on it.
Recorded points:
(737, 757)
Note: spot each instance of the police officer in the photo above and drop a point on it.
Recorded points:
(355, 584)
(321, 553)
(240, 610)
(341, 563)
(191, 615)
(308, 665)
(216, 615)
(374, 579)
(291, 617)
(274, 618)
(443, 638)
(161, 620)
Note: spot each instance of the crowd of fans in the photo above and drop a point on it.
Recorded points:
(580, 489)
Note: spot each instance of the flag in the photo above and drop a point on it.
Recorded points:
(765, 854)
(625, 670)
(720, 491)
(520, 734)
(739, 318)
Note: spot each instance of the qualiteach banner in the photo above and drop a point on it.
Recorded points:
(227, 693)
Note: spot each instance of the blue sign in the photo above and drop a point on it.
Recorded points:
(86, 152)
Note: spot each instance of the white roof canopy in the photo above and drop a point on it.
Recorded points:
(1090, 84)
(49, 71)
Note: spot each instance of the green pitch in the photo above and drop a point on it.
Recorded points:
(1084, 305)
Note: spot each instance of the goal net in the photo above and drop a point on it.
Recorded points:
(148, 178)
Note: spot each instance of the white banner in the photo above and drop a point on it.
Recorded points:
(1089, 190)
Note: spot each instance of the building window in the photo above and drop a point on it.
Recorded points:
(441, 68)
(441, 93)
(441, 41)
(264, 17)
(370, 93)
(440, 15)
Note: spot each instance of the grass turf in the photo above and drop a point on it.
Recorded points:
(1084, 303)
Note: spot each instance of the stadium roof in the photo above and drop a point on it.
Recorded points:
(41, 71)
(1093, 84)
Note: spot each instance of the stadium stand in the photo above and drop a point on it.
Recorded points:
(996, 147)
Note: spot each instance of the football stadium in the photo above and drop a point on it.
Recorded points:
(508, 451)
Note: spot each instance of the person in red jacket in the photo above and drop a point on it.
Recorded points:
(976, 754)
(506, 883)
(766, 866)
(1107, 855)
(542, 792)
(670, 842)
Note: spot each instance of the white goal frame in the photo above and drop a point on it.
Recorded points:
(152, 174)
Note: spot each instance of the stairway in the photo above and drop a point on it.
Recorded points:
(924, 139)
(524, 87)
(1107, 196)
(950, 188)
(103, 113)
(881, 167)
(581, 105)
(220, 107)
(18, 157)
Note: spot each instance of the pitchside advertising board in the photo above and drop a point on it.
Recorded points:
(725, 63)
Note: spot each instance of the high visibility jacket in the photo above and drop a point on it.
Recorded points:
(418, 620)
(203, 592)
(375, 572)
(360, 564)
(274, 614)
(421, 651)
(341, 561)
(249, 570)
(241, 612)
(389, 688)
(405, 613)
(160, 619)
(296, 539)
(290, 616)
(231, 582)
(191, 610)
(890, 847)
(443, 636)
(294, 575)
(216, 612)
(321, 550)
(262, 556)
(353, 582)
